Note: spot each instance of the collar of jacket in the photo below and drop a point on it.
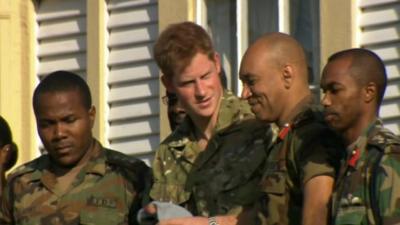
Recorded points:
(95, 165)
(303, 112)
(227, 115)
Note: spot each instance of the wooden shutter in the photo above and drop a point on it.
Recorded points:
(133, 77)
(61, 36)
(380, 24)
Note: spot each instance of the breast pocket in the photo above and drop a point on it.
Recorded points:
(103, 217)
(274, 182)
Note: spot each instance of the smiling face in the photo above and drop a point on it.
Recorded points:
(262, 86)
(64, 125)
(198, 87)
(343, 96)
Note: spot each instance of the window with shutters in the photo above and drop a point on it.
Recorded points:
(379, 23)
(133, 79)
(234, 25)
(61, 36)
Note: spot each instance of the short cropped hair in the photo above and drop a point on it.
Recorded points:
(178, 44)
(366, 66)
(5, 139)
(60, 81)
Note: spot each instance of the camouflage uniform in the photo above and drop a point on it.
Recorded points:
(226, 176)
(177, 154)
(108, 190)
(366, 192)
(305, 148)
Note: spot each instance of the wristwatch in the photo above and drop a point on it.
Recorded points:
(212, 221)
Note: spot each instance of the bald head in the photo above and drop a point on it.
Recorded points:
(281, 49)
(364, 66)
(274, 76)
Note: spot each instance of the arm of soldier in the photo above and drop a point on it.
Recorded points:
(318, 179)
(221, 220)
(317, 193)
(142, 197)
(388, 179)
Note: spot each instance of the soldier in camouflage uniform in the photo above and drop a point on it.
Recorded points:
(178, 152)
(210, 139)
(301, 163)
(78, 181)
(354, 83)
(183, 172)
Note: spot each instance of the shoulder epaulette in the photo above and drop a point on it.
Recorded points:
(308, 116)
(252, 125)
(384, 138)
(28, 167)
(119, 159)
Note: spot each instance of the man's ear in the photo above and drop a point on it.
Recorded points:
(92, 115)
(287, 76)
(217, 61)
(167, 82)
(370, 92)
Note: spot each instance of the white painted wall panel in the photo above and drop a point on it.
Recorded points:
(137, 15)
(393, 70)
(390, 109)
(74, 62)
(379, 16)
(369, 3)
(133, 80)
(392, 90)
(120, 4)
(146, 144)
(59, 46)
(387, 52)
(129, 72)
(374, 36)
(136, 109)
(128, 129)
(61, 36)
(60, 9)
(380, 25)
(135, 90)
(130, 54)
(62, 27)
(132, 35)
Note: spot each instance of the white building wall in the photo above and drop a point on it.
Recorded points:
(133, 77)
(379, 24)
